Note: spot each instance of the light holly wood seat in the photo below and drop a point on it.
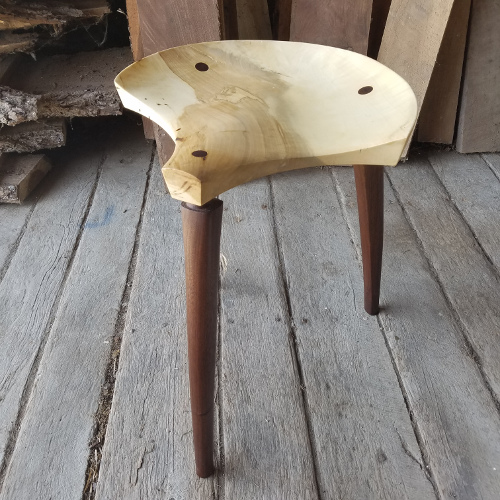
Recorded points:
(239, 110)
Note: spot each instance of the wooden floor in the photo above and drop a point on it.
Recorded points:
(315, 399)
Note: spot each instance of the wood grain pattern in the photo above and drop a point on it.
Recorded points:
(473, 292)
(27, 302)
(439, 109)
(338, 23)
(170, 24)
(359, 422)
(411, 41)
(455, 417)
(59, 416)
(239, 110)
(479, 117)
(149, 442)
(266, 446)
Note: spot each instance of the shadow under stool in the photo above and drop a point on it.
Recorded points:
(240, 110)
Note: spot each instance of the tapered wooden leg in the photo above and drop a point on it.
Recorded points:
(370, 192)
(201, 230)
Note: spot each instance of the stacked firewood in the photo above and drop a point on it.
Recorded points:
(42, 88)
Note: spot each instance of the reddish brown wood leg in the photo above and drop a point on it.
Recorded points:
(370, 192)
(201, 230)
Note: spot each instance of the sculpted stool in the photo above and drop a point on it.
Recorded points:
(240, 110)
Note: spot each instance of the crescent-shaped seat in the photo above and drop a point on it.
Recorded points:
(239, 110)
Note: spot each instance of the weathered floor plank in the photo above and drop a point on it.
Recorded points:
(148, 452)
(59, 415)
(31, 284)
(266, 445)
(475, 190)
(13, 221)
(456, 419)
(359, 419)
(469, 281)
(493, 160)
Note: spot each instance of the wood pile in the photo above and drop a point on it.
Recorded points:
(41, 88)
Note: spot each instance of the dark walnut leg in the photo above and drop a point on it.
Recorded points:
(370, 193)
(201, 230)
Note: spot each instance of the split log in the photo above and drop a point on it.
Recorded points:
(63, 86)
(17, 42)
(33, 136)
(20, 174)
(16, 15)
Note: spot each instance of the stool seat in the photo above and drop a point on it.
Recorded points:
(240, 110)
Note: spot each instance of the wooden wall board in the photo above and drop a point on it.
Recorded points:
(52, 446)
(20, 174)
(475, 191)
(479, 117)
(358, 416)
(439, 109)
(266, 442)
(380, 10)
(32, 282)
(453, 413)
(148, 447)
(412, 38)
(178, 22)
(470, 282)
(134, 28)
(338, 23)
(253, 20)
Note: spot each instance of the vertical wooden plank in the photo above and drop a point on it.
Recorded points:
(456, 419)
(148, 452)
(479, 117)
(439, 110)
(380, 11)
(358, 417)
(339, 23)
(134, 28)
(52, 447)
(266, 444)
(411, 41)
(177, 22)
(253, 20)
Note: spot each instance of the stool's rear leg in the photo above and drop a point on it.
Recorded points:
(370, 192)
(201, 230)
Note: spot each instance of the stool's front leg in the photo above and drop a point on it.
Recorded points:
(201, 230)
(370, 193)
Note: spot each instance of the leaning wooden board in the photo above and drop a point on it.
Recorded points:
(339, 23)
(439, 110)
(479, 119)
(411, 41)
(169, 24)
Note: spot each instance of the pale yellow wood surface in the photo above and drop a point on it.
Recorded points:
(261, 107)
